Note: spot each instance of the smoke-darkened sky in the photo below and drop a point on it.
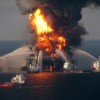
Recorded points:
(13, 25)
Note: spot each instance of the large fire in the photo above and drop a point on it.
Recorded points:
(47, 39)
(38, 22)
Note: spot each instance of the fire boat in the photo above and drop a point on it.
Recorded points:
(18, 80)
(6, 85)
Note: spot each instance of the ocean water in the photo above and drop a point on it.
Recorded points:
(92, 47)
(53, 86)
(9, 46)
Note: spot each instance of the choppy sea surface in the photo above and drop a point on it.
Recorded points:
(53, 86)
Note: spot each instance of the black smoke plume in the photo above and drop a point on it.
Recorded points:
(66, 15)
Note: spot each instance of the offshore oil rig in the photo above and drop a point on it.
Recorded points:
(41, 61)
(54, 26)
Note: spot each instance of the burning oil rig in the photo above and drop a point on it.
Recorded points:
(47, 41)
(55, 26)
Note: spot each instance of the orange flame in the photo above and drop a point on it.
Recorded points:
(45, 41)
(61, 42)
(38, 21)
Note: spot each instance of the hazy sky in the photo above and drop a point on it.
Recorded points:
(91, 21)
(13, 25)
